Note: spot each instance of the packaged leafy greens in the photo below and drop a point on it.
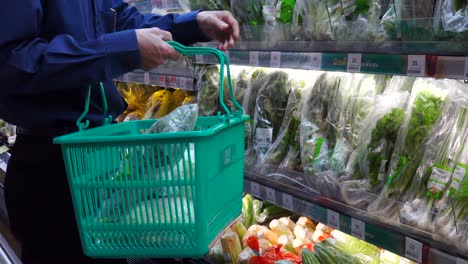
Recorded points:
(248, 12)
(286, 140)
(359, 103)
(311, 21)
(436, 167)
(271, 102)
(321, 110)
(423, 112)
(208, 89)
(377, 142)
(451, 17)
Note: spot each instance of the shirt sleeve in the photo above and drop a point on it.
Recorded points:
(33, 64)
(183, 27)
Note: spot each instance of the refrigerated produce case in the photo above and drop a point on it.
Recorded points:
(289, 46)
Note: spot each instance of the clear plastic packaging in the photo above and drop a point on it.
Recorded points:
(270, 107)
(311, 21)
(423, 112)
(207, 82)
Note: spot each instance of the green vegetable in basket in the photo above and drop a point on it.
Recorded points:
(208, 89)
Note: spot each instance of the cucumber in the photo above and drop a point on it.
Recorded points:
(324, 254)
(308, 257)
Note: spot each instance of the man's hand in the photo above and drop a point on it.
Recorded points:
(154, 50)
(220, 26)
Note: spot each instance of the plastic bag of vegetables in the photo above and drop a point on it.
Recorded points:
(207, 82)
(377, 139)
(427, 193)
(269, 112)
(285, 149)
(452, 217)
(317, 134)
(451, 19)
(258, 78)
(423, 111)
(311, 21)
(358, 104)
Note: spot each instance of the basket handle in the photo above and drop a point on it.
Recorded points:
(107, 120)
(224, 63)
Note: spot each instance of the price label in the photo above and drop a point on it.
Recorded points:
(253, 58)
(466, 68)
(416, 65)
(333, 219)
(354, 62)
(461, 261)
(270, 195)
(146, 78)
(288, 202)
(358, 229)
(413, 250)
(199, 59)
(315, 61)
(255, 189)
(275, 59)
(171, 81)
(161, 81)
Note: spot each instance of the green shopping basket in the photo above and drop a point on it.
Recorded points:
(165, 195)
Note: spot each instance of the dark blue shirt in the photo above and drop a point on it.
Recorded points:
(51, 50)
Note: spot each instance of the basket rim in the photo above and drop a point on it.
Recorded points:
(81, 137)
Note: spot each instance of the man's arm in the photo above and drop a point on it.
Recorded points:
(32, 64)
(184, 28)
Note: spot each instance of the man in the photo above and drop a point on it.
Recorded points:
(50, 51)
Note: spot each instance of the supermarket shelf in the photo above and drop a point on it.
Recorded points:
(289, 193)
(347, 57)
(172, 74)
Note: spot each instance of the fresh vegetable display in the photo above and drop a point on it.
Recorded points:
(293, 239)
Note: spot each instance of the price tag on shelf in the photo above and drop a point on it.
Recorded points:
(333, 219)
(466, 68)
(270, 195)
(161, 81)
(275, 59)
(416, 65)
(461, 261)
(255, 189)
(253, 58)
(413, 249)
(354, 62)
(146, 78)
(171, 81)
(358, 229)
(288, 202)
(199, 59)
(315, 61)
